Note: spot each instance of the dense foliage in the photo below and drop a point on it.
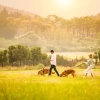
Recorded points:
(20, 55)
(76, 34)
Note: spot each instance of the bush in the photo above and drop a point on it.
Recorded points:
(81, 65)
(40, 66)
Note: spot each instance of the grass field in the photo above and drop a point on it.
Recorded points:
(27, 85)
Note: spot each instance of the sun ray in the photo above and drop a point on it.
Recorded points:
(64, 2)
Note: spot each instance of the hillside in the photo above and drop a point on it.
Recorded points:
(53, 32)
(12, 10)
(34, 40)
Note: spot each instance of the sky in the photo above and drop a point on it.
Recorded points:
(62, 8)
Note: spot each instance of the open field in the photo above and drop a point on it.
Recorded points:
(27, 85)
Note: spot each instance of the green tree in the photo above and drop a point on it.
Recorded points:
(11, 51)
(29, 59)
(36, 55)
(44, 58)
(61, 61)
(21, 53)
(95, 56)
(99, 54)
(18, 53)
(3, 57)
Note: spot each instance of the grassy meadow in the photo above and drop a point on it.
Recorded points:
(25, 84)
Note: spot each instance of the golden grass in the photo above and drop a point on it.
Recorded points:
(21, 84)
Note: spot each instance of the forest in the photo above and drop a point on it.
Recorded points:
(76, 34)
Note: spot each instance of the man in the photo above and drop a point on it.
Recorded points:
(53, 63)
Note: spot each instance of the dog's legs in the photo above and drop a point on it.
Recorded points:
(73, 75)
(66, 75)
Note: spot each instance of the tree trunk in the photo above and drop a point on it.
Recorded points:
(2, 64)
(20, 62)
(33, 62)
(12, 64)
(99, 60)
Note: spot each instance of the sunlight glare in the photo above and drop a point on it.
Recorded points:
(64, 2)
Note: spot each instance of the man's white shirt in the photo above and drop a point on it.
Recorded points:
(53, 59)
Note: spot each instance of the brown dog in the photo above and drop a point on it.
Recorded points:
(67, 72)
(44, 71)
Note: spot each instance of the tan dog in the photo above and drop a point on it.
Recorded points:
(67, 72)
(44, 71)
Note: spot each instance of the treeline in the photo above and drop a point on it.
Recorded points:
(61, 31)
(20, 55)
(56, 27)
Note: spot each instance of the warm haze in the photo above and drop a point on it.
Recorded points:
(67, 26)
(62, 8)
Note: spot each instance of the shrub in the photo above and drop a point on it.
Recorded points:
(81, 65)
(40, 66)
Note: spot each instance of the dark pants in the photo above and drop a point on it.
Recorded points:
(53, 67)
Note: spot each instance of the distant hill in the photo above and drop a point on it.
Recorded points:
(11, 9)
(77, 34)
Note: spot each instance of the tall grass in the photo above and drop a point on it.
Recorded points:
(27, 85)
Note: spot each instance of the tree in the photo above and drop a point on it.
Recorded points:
(10, 28)
(15, 14)
(44, 58)
(95, 56)
(99, 54)
(18, 53)
(4, 13)
(21, 53)
(11, 51)
(29, 57)
(61, 61)
(97, 26)
(3, 57)
(36, 55)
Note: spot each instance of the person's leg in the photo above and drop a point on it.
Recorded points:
(86, 74)
(92, 74)
(50, 69)
(55, 70)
